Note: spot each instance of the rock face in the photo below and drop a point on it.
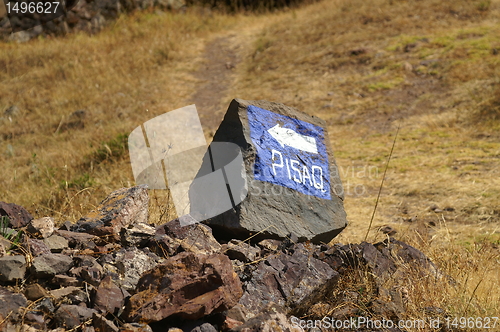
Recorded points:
(188, 285)
(294, 281)
(293, 181)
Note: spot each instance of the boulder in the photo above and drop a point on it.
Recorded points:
(290, 177)
(188, 286)
(119, 210)
(12, 268)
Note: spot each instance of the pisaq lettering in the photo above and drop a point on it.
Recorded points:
(294, 170)
(290, 152)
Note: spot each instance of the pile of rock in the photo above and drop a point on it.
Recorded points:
(112, 271)
(81, 15)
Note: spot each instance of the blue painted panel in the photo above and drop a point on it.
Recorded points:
(290, 152)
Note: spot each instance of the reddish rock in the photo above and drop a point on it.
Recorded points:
(101, 324)
(109, 298)
(120, 209)
(230, 323)
(18, 216)
(37, 247)
(188, 286)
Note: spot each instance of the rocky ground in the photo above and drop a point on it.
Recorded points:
(113, 271)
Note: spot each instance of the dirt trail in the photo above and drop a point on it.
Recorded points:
(220, 58)
(218, 72)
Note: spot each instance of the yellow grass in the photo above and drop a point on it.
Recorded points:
(366, 67)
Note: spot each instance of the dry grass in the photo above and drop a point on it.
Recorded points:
(56, 163)
(365, 67)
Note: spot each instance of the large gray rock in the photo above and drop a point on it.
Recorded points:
(292, 180)
(47, 266)
(12, 268)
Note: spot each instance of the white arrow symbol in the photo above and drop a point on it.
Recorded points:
(286, 136)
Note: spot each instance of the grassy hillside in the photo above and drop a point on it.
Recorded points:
(431, 68)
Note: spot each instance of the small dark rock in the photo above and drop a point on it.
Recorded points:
(388, 230)
(108, 298)
(237, 249)
(102, 324)
(70, 316)
(77, 240)
(196, 238)
(205, 327)
(34, 292)
(10, 304)
(18, 216)
(66, 281)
